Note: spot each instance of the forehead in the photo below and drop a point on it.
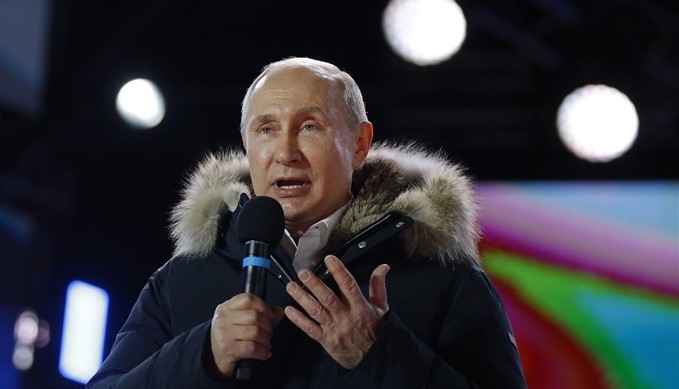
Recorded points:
(296, 85)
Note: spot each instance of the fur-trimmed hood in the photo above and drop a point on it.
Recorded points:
(404, 178)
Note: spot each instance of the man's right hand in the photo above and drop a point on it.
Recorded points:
(242, 328)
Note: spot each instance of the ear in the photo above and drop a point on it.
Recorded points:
(364, 139)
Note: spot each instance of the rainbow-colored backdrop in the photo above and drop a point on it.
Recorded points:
(589, 274)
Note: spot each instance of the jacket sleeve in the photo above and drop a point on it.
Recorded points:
(476, 348)
(146, 354)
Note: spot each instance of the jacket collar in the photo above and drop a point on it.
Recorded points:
(404, 180)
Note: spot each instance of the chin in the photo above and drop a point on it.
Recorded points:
(294, 213)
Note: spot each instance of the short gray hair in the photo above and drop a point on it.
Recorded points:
(351, 93)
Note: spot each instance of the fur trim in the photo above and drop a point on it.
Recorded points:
(213, 188)
(405, 178)
(428, 188)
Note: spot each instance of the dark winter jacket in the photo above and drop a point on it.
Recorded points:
(413, 210)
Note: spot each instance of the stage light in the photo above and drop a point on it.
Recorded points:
(22, 357)
(25, 335)
(43, 338)
(140, 103)
(82, 343)
(26, 328)
(597, 123)
(424, 32)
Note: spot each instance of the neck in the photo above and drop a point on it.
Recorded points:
(295, 231)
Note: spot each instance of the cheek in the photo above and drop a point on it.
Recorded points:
(338, 167)
(257, 171)
(344, 148)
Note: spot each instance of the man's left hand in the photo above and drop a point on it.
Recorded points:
(346, 325)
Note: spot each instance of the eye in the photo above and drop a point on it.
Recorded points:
(309, 127)
(265, 130)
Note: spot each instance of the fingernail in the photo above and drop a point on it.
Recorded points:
(304, 275)
(291, 287)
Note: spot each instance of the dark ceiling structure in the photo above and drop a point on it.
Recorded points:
(492, 106)
(83, 195)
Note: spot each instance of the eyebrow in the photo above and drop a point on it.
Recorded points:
(263, 118)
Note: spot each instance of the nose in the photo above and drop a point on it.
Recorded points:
(287, 148)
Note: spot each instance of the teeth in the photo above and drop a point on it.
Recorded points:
(289, 184)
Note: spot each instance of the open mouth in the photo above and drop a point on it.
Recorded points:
(289, 184)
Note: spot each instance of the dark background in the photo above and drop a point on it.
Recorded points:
(84, 196)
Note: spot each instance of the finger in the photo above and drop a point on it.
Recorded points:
(245, 301)
(252, 333)
(344, 279)
(312, 307)
(240, 342)
(238, 328)
(251, 350)
(305, 324)
(378, 287)
(265, 320)
(320, 290)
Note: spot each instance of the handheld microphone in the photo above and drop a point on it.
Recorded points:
(260, 227)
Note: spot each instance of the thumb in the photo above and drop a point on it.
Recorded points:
(378, 287)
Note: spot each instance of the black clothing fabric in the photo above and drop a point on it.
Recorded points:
(446, 327)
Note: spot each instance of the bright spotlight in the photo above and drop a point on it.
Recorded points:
(22, 357)
(82, 343)
(597, 123)
(424, 32)
(140, 103)
(26, 328)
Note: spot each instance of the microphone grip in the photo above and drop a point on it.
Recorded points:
(255, 271)
(254, 280)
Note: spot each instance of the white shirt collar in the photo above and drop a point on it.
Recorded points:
(307, 251)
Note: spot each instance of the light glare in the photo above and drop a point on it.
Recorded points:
(26, 328)
(597, 123)
(22, 357)
(43, 338)
(424, 32)
(140, 103)
(82, 344)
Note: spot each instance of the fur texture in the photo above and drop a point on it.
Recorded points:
(403, 178)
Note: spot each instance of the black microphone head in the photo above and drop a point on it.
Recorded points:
(261, 219)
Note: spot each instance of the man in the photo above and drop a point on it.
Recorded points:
(353, 213)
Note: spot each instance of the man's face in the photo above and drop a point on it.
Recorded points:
(299, 146)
